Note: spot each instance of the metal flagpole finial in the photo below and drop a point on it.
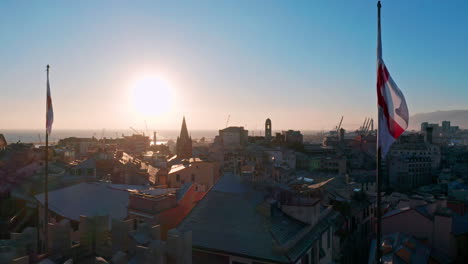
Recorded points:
(379, 5)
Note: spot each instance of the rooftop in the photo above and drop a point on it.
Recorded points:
(89, 199)
(401, 248)
(229, 219)
(176, 168)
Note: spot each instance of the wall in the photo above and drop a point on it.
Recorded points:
(327, 246)
(442, 235)
(231, 139)
(150, 205)
(205, 173)
(306, 214)
(409, 222)
(171, 218)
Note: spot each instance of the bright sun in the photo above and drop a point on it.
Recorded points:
(151, 96)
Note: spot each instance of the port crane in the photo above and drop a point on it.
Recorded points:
(227, 121)
(339, 125)
(137, 132)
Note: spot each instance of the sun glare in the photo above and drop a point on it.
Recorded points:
(152, 96)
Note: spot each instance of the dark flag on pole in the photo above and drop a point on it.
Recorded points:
(50, 109)
(49, 121)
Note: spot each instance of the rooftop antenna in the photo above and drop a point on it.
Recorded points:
(227, 121)
(146, 127)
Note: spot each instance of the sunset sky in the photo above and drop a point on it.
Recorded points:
(304, 64)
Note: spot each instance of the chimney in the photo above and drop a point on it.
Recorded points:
(428, 135)
(341, 135)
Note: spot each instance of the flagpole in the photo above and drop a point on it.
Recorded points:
(379, 159)
(46, 182)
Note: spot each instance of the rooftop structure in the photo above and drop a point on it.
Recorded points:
(293, 137)
(3, 142)
(430, 221)
(233, 137)
(234, 223)
(88, 199)
(194, 170)
(135, 143)
(400, 248)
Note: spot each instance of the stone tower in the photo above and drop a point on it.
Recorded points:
(268, 130)
(184, 143)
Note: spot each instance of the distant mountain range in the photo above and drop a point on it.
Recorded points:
(457, 117)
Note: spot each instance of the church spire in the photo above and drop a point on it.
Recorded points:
(183, 131)
(184, 142)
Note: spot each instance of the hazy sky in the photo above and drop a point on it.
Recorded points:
(301, 63)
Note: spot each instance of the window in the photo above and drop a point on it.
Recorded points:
(74, 225)
(320, 241)
(177, 177)
(193, 177)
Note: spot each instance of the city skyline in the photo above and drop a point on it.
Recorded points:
(233, 132)
(210, 60)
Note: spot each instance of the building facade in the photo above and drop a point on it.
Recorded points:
(234, 137)
(202, 173)
(412, 162)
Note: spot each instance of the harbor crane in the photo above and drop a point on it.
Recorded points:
(339, 125)
(227, 121)
(146, 127)
(363, 125)
(366, 124)
(370, 125)
(136, 131)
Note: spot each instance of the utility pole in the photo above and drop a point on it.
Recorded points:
(379, 170)
(46, 180)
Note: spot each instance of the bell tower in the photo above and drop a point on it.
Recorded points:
(268, 130)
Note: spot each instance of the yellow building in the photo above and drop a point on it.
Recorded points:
(203, 173)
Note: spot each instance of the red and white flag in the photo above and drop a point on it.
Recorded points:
(50, 109)
(393, 111)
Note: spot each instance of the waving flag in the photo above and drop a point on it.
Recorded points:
(393, 112)
(50, 109)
